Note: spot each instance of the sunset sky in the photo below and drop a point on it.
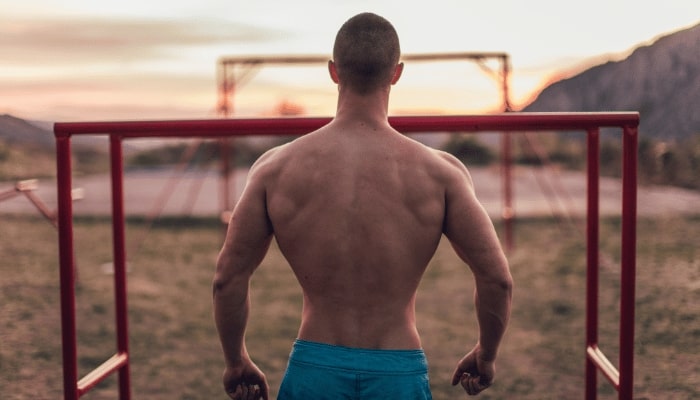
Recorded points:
(70, 60)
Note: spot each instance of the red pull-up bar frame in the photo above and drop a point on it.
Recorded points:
(621, 379)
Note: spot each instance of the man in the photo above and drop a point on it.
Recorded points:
(358, 211)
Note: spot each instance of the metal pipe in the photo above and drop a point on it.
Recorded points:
(41, 207)
(66, 263)
(299, 126)
(225, 176)
(592, 244)
(96, 376)
(118, 232)
(507, 213)
(628, 260)
(596, 357)
(8, 194)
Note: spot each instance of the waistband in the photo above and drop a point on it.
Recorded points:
(358, 359)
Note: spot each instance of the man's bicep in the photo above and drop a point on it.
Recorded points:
(249, 230)
(249, 222)
(470, 229)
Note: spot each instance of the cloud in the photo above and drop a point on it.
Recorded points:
(56, 42)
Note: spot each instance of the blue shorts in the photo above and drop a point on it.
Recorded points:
(321, 371)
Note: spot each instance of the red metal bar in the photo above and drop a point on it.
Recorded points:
(225, 185)
(297, 126)
(592, 244)
(120, 295)
(628, 260)
(66, 262)
(507, 213)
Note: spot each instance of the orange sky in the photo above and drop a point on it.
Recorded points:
(143, 60)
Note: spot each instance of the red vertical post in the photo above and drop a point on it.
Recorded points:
(223, 88)
(592, 243)
(67, 271)
(507, 180)
(228, 89)
(225, 180)
(628, 261)
(119, 243)
(508, 212)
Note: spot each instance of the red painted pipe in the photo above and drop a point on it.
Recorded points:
(67, 273)
(628, 260)
(296, 126)
(592, 243)
(119, 239)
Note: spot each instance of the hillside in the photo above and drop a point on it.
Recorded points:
(661, 81)
(14, 131)
(27, 151)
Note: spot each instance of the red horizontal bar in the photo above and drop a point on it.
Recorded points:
(323, 58)
(604, 365)
(297, 126)
(96, 376)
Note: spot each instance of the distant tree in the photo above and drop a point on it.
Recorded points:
(469, 150)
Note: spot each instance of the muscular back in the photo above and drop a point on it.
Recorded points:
(358, 214)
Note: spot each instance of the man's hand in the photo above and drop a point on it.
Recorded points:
(245, 381)
(474, 373)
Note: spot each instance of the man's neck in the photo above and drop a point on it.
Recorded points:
(371, 109)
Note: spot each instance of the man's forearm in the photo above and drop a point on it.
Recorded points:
(231, 307)
(492, 301)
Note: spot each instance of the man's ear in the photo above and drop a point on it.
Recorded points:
(397, 73)
(333, 71)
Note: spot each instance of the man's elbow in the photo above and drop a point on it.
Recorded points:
(507, 285)
(502, 283)
(221, 279)
(503, 277)
(217, 286)
(229, 278)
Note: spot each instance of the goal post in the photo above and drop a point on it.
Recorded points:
(232, 71)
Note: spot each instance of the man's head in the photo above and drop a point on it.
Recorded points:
(366, 53)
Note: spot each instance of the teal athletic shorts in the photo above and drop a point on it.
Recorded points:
(318, 371)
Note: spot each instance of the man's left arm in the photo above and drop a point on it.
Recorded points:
(247, 239)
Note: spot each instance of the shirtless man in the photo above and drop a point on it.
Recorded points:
(358, 211)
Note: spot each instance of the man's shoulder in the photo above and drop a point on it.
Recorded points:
(275, 159)
(445, 162)
(267, 163)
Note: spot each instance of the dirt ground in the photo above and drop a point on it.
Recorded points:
(546, 329)
(537, 192)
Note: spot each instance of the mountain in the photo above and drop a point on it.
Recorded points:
(14, 130)
(661, 81)
(39, 135)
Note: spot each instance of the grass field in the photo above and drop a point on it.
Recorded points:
(175, 351)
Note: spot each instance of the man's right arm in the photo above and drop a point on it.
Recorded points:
(247, 239)
(472, 235)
